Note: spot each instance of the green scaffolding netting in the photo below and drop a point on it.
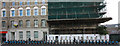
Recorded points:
(65, 10)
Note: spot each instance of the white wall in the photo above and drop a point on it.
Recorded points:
(40, 33)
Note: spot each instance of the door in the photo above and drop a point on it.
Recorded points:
(44, 36)
(12, 35)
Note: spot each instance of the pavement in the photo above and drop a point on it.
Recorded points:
(60, 45)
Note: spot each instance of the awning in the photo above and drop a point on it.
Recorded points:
(3, 32)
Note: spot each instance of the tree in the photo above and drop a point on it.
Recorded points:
(102, 30)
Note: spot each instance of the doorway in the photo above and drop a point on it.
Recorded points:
(56, 37)
(44, 36)
(12, 35)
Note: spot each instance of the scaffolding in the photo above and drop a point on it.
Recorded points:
(73, 18)
(71, 10)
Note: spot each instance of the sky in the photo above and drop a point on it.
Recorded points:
(112, 11)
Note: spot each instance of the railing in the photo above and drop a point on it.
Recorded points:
(62, 42)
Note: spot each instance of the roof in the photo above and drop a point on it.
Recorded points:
(97, 20)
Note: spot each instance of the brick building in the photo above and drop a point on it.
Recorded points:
(24, 20)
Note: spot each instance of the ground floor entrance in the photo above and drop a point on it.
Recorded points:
(3, 35)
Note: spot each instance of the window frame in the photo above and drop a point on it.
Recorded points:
(28, 8)
(42, 22)
(13, 3)
(43, 1)
(19, 11)
(36, 34)
(43, 7)
(28, 2)
(35, 2)
(36, 23)
(20, 21)
(11, 12)
(3, 24)
(34, 12)
(12, 23)
(3, 4)
(20, 3)
(20, 35)
(2, 12)
(28, 23)
(28, 34)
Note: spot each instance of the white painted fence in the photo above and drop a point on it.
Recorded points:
(78, 37)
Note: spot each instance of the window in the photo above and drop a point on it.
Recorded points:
(13, 12)
(20, 35)
(13, 3)
(20, 3)
(43, 11)
(3, 24)
(28, 12)
(12, 23)
(35, 23)
(43, 1)
(35, 2)
(4, 14)
(3, 4)
(28, 2)
(35, 34)
(43, 23)
(20, 23)
(28, 34)
(35, 12)
(28, 23)
(21, 12)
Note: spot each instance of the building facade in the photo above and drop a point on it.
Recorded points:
(76, 20)
(24, 20)
(52, 20)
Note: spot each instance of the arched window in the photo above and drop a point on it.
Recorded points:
(43, 23)
(12, 12)
(3, 13)
(35, 23)
(20, 11)
(28, 11)
(43, 10)
(27, 23)
(35, 11)
(12, 23)
(20, 23)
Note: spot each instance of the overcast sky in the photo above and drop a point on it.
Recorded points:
(112, 11)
